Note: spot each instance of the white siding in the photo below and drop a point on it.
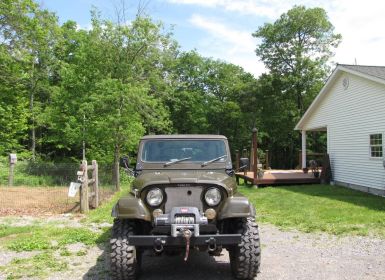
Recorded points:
(350, 116)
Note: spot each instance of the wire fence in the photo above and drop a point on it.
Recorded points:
(42, 187)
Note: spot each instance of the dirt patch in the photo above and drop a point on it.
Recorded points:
(40, 200)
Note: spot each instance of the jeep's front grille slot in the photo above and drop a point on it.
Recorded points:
(185, 220)
(183, 196)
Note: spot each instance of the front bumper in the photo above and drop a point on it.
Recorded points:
(165, 240)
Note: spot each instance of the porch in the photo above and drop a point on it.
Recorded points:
(254, 171)
(279, 177)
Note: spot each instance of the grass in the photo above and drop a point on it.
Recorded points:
(50, 237)
(312, 208)
(103, 213)
(37, 266)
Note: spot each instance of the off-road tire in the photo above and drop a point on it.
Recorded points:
(245, 258)
(125, 258)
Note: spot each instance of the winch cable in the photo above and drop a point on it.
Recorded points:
(187, 236)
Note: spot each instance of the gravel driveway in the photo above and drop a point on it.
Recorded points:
(285, 255)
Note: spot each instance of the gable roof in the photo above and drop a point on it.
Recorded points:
(373, 73)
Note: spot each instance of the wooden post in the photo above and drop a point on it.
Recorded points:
(12, 162)
(84, 200)
(95, 185)
(267, 159)
(236, 160)
(11, 174)
(255, 153)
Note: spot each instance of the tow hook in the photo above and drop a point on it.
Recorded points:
(187, 235)
(158, 245)
(212, 244)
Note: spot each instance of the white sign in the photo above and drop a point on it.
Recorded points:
(74, 187)
(12, 158)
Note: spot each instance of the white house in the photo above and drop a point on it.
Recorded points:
(351, 109)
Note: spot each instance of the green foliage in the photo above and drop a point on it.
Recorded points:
(326, 208)
(103, 213)
(109, 85)
(296, 49)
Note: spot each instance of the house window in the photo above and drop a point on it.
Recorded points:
(376, 145)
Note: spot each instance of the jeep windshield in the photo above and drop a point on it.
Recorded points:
(180, 151)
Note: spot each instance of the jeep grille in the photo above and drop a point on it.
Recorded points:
(183, 196)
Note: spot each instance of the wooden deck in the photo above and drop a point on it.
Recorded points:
(280, 177)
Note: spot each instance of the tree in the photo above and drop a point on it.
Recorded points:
(297, 48)
(29, 35)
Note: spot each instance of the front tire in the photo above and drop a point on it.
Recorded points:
(245, 258)
(125, 258)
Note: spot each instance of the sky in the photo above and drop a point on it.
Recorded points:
(222, 29)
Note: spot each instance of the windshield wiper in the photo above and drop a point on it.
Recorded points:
(213, 160)
(176, 161)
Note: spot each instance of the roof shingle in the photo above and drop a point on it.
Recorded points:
(375, 71)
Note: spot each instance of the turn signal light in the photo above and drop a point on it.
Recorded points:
(210, 213)
(157, 212)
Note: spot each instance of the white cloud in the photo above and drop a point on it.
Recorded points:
(361, 24)
(229, 44)
(248, 7)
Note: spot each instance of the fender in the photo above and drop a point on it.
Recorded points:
(130, 207)
(236, 207)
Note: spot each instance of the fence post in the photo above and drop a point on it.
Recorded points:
(95, 184)
(84, 200)
(12, 162)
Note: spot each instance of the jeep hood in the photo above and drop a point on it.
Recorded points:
(184, 177)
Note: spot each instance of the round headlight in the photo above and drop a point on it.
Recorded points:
(154, 197)
(213, 197)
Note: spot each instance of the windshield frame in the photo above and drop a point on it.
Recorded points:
(185, 164)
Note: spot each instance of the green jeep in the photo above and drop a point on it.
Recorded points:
(184, 197)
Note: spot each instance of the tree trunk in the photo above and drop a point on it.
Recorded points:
(116, 167)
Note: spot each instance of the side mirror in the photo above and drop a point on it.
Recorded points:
(124, 162)
(244, 164)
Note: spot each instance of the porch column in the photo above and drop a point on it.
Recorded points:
(303, 149)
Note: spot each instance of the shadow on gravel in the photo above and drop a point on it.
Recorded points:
(100, 271)
(200, 266)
